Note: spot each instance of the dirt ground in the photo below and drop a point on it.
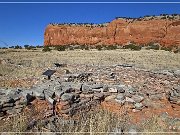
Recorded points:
(24, 66)
(149, 59)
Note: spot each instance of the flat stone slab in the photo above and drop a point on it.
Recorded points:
(67, 97)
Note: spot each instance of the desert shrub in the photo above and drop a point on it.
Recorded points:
(96, 120)
(132, 47)
(26, 46)
(99, 47)
(166, 48)
(153, 46)
(71, 48)
(17, 123)
(38, 46)
(77, 47)
(111, 47)
(60, 48)
(174, 14)
(66, 46)
(142, 45)
(11, 47)
(17, 47)
(46, 49)
(170, 18)
(164, 17)
(29, 47)
(176, 49)
(84, 47)
(154, 124)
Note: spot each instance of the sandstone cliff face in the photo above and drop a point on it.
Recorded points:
(118, 32)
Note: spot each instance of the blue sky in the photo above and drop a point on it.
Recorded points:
(22, 24)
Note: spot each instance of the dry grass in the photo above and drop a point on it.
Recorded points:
(26, 64)
(95, 122)
(149, 59)
(154, 124)
(23, 64)
(16, 123)
(159, 125)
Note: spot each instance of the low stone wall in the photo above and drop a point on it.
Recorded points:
(68, 97)
(72, 92)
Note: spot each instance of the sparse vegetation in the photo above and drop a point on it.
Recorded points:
(26, 46)
(177, 50)
(11, 47)
(71, 48)
(99, 47)
(4, 48)
(166, 48)
(38, 46)
(110, 47)
(60, 48)
(150, 17)
(153, 46)
(132, 47)
(95, 121)
(29, 47)
(46, 49)
(17, 47)
(39, 60)
(84, 47)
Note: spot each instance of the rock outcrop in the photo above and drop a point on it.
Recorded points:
(164, 30)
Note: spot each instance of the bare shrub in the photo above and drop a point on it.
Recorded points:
(132, 47)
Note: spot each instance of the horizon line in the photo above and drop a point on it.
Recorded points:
(29, 2)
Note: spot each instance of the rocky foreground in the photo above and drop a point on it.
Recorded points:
(122, 89)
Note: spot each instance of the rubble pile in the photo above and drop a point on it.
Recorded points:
(72, 92)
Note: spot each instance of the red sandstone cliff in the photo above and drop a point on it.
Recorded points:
(119, 31)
